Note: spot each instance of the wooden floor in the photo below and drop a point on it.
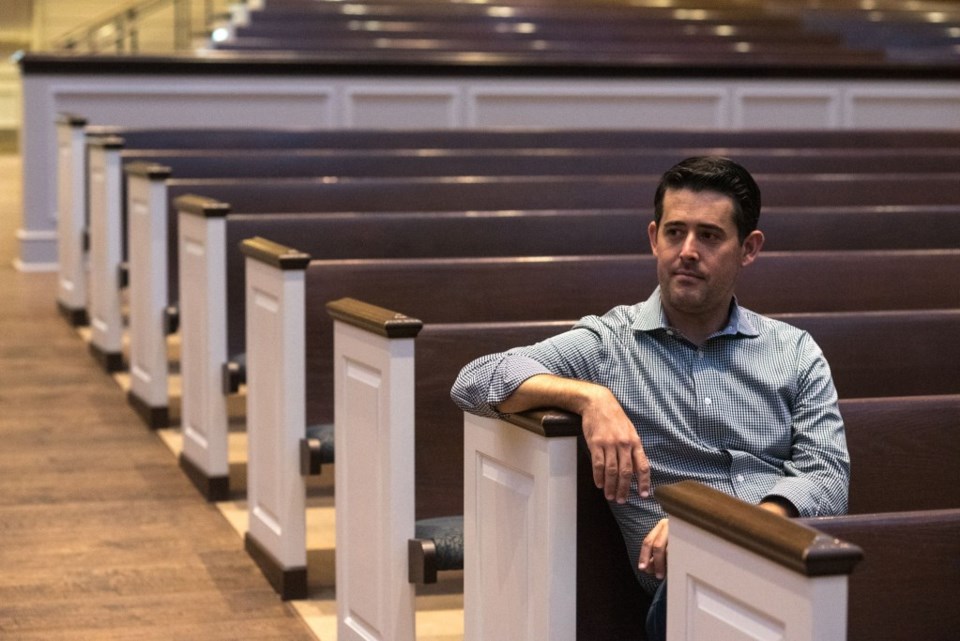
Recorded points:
(101, 535)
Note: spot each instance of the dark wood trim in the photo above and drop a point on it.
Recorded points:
(784, 541)
(476, 64)
(107, 141)
(311, 461)
(75, 316)
(110, 361)
(421, 561)
(290, 583)
(274, 254)
(72, 120)
(371, 318)
(171, 319)
(232, 375)
(213, 488)
(201, 206)
(550, 423)
(149, 170)
(154, 417)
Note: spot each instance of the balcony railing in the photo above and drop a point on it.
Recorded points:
(146, 25)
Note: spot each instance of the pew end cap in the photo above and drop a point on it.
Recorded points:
(148, 170)
(273, 254)
(105, 141)
(201, 206)
(787, 542)
(372, 318)
(547, 422)
(71, 119)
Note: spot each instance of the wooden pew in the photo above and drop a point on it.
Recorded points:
(147, 337)
(148, 191)
(146, 329)
(919, 607)
(566, 48)
(589, 28)
(71, 172)
(148, 182)
(488, 163)
(908, 441)
(386, 280)
(739, 569)
(366, 369)
(922, 604)
(212, 332)
(612, 275)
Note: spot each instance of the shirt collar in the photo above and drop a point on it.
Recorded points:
(651, 317)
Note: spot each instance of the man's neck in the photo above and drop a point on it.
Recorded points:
(697, 328)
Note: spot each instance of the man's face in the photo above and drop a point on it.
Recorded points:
(699, 254)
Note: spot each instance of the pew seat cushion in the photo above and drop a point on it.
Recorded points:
(447, 534)
(323, 435)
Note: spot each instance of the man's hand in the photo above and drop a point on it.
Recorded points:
(616, 452)
(653, 552)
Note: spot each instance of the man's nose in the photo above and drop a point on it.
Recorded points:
(689, 249)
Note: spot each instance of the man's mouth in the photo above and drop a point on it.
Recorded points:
(688, 274)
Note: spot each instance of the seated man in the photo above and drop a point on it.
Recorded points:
(687, 384)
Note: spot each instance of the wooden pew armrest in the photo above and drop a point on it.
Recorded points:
(422, 566)
(784, 541)
(374, 319)
(234, 375)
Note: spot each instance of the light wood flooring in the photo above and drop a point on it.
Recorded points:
(101, 535)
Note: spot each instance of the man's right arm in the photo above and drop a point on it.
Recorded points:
(616, 452)
(555, 373)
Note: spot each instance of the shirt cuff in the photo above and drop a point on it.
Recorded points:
(801, 493)
(510, 374)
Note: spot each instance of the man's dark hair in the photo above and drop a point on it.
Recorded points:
(714, 173)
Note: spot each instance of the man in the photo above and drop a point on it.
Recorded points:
(688, 384)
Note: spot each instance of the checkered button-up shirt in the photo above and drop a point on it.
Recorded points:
(753, 412)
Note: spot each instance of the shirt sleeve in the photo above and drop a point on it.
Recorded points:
(489, 380)
(817, 476)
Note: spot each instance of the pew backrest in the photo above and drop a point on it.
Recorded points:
(920, 603)
(912, 440)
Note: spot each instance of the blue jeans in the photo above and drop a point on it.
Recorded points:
(657, 615)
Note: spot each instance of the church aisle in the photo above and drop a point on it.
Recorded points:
(101, 535)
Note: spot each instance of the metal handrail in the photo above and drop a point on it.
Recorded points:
(120, 30)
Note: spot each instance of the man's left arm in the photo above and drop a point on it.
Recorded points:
(817, 476)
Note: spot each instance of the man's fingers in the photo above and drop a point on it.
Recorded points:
(615, 467)
(641, 467)
(599, 467)
(624, 473)
(653, 552)
(611, 476)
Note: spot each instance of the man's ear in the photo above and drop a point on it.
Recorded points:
(751, 246)
(652, 233)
